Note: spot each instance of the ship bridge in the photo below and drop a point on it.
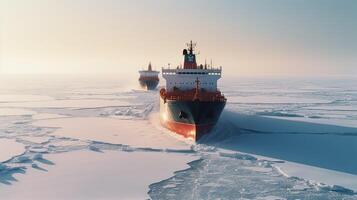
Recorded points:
(191, 75)
(149, 72)
(186, 79)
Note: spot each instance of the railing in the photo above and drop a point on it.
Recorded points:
(211, 69)
(147, 78)
(192, 95)
(216, 72)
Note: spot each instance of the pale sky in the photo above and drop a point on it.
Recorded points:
(246, 37)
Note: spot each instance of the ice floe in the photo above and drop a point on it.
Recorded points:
(136, 133)
(15, 111)
(277, 139)
(67, 103)
(93, 175)
(6, 98)
(34, 139)
(239, 177)
(322, 175)
(9, 148)
(47, 116)
(269, 99)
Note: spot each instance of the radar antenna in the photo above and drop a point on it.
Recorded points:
(191, 47)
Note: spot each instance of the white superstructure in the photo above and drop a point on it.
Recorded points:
(145, 73)
(186, 79)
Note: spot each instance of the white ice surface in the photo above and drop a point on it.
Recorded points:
(337, 122)
(97, 96)
(319, 152)
(334, 107)
(273, 99)
(15, 111)
(286, 124)
(84, 103)
(321, 175)
(47, 116)
(22, 98)
(271, 198)
(308, 127)
(9, 148)
(92, 175)
(64, 143)
(135, 133)
(34, 139)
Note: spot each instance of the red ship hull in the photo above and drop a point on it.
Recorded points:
(190, 118)
(191, 131)
(191, 104)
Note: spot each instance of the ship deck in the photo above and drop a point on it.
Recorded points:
(192, 95)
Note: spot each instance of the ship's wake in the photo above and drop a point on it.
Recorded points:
(257, 150)
(245, 149)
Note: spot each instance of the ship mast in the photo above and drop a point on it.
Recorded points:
(191, 46)
(189, 56)
(149, 67)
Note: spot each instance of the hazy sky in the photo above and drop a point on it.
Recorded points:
(246, 37)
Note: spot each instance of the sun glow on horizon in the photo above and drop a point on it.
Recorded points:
(106, 37)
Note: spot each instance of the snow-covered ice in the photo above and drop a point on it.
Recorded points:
(9, 148)
(5, 98)
(34, 139)
(135, 133)
(323, 175)
(67, 103)
(47, 116)
(268, 99)
(95, 175)
(100, 138)
(15, 111)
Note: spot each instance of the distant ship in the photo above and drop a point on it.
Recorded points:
(149, 78)
(191, 104)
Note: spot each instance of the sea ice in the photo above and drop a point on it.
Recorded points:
(5, 98)
(135, 133)
(15, 111)
(276, 139)
(67, 103)
(47, 116)
(325, 176)
(92, 175)
(270, 99)
(35, 139)
(225, 177)
(9, 148)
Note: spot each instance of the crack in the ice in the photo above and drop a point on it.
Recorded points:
(250, 131)
(205, 185)
(122, 147)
